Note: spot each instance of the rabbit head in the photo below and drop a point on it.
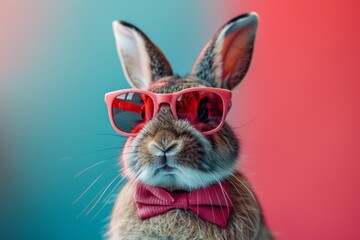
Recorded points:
(168, 152)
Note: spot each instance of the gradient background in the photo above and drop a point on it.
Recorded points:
(297, 113)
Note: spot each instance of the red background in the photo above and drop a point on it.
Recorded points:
(300, 125)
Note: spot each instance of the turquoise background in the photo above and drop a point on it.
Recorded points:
(54, 122)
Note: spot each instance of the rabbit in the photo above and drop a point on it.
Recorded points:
(202, 160)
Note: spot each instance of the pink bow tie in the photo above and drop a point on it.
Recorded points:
(211, 203)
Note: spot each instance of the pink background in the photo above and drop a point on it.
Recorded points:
(302, 98)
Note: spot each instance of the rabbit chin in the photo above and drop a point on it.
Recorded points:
(181, 178)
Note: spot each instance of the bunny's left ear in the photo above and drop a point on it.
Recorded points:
(226, 58)
(142, 61)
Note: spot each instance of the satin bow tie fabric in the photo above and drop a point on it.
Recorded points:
(211, 203)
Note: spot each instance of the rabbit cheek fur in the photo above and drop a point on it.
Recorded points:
(195, 160)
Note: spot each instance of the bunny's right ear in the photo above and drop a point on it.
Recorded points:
(226, 58)
(142, 61)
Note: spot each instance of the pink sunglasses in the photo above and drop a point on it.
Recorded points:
(204, 107)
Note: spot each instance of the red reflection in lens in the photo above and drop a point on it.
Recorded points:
(131, 111)
(126, 106)
(203, 109)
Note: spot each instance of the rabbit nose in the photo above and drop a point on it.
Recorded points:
(169, 149)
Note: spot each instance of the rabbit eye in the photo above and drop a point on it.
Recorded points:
(142, 112)
(203, 111)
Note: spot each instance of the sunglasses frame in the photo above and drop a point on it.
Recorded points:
(170, 99)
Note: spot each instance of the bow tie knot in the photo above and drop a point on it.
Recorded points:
(181, 201)
(211, 203)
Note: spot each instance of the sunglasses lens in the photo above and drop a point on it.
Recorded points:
(204, 109)
(131, 111)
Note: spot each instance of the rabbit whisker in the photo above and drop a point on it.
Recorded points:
(207, 191)
(107, 198)
(218, 182)
(92, 152)
(131, 183)
(88, 133)
(102, 194)
(123, 179)
(225, 195)
(253, 227)
(105, 171)
(90, 167)
(94, 198)
(245, 124)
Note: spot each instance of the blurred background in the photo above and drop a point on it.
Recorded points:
(297, 113)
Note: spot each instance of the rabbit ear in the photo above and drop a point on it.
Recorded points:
(226, 58)
(142, 61)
